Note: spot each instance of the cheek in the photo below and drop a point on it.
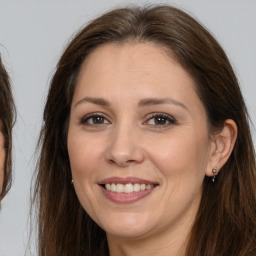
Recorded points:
(181, 155)
(83, 156)
(83, 151)
(1, 180)
(181, 160)
(2, 161)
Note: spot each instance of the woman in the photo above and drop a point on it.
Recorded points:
(7, 113)
(146, 146)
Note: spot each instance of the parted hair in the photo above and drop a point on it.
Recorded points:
(226, 220)
(7, 118)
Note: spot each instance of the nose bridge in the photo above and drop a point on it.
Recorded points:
(124, 147)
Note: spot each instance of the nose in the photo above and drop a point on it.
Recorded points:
(124, 147)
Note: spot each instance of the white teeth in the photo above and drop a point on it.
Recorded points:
(127, 188)
(119, 188)
(149, 186)
(142, 187)
(136, 187)
(113, 187)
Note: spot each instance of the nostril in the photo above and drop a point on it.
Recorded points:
(122, 163)
(126, 157)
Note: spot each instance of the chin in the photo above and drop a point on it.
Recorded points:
(128, 233)
(127, 226)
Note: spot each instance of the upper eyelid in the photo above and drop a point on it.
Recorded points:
(147, 116)
(169, 118)
(96, 114)
(154, 114)
(91, 115)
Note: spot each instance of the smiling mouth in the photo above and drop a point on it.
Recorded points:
(128, 188)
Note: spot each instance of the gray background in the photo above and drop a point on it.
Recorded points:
(32, 37)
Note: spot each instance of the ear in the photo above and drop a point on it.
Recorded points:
(222, 146)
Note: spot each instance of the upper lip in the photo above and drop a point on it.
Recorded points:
(132, 180)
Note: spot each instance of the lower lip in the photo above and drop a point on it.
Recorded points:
(126, 198)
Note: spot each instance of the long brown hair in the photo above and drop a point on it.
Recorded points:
(226, 219)
(7, 117)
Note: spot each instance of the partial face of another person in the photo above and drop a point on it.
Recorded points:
(138, 141)
(2, 159)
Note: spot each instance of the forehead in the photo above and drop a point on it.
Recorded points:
(134, 62)
(133, 71)
(129, 51)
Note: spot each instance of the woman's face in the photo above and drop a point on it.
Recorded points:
(2, 158)
(138, 141)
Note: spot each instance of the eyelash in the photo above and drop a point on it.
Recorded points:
(166, 118)
(153, 116)
(85, 120)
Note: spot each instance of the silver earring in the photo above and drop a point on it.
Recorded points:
(215, 173)
(72, 182)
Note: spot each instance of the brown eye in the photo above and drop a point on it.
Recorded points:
(94, 120)
(97, 120)
(161, 120)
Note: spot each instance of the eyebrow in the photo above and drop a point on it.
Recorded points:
(142, 103)
(96, 101)
(155, 101)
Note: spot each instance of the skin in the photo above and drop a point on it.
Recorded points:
(2, 159)
(128, 141)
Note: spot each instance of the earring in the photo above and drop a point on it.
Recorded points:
(72, 182)
(215, 173)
